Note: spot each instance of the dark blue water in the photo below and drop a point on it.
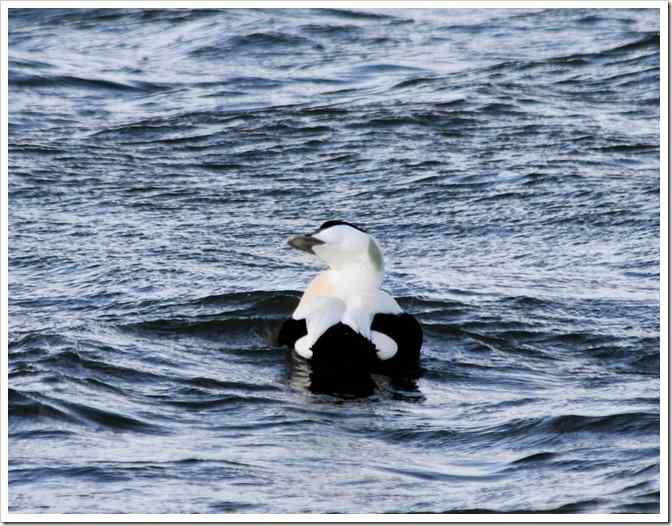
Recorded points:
(506, 160)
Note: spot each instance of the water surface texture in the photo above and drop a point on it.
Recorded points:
(506, 160)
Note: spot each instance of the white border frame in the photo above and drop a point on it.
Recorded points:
(661, 517)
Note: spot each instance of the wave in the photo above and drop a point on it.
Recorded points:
(211, 328)
(339, 31)
(220, 402)
(271, 39)
(579, 506)
(70, 81)
(40, 406)
(261, 42)
(533, 432)
(72, 360)
(359, 14)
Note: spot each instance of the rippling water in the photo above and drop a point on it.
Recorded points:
(507, 160)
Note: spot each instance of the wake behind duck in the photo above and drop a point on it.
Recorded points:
(345, 325)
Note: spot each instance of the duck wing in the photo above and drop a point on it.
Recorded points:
(406, 332)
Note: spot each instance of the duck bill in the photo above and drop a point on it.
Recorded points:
(304, 243)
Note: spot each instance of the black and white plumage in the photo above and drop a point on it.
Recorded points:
(345, 325)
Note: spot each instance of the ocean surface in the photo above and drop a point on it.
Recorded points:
(507, 160)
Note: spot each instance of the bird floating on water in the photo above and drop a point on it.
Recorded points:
(344, 323)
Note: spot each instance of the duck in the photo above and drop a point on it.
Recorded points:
(345, 325)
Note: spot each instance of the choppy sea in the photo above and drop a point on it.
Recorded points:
(507, 160)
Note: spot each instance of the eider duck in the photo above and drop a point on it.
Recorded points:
(345, 325)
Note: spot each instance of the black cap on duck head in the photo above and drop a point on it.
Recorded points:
(338, 222)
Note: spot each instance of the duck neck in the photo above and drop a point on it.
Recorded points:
(358, 277)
